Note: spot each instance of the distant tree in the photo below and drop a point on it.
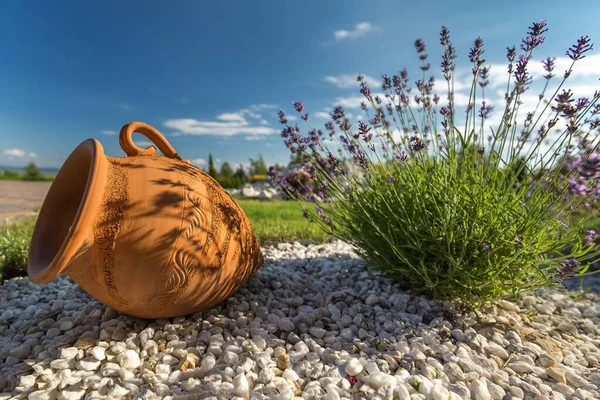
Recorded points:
(211, 167)
(226, 176)
(258, 166)
(240, 176)
(226, 171)
(32, 173)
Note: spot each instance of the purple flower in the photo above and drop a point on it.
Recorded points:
(521, 75)
(476, 52)
(416, 143)
(390, 179)
(444, 36)
(401, 156)
(590, 236)
(282, 117)
(304, 116)
(485, 110)
(538, 28)
(486, 246)
(361, 159)
(448, 62)
(324, 217)
(365, 91)
(387, 82)
(363, 128)
(517, 239)
(548, 64)
(299, 106)
(305, 213)
(363, 106)
(337, 113)
(568, 267)
(582, 103)
(420, 46)
(345, 124)
(511, 53)
(484, 74)
(577, 51)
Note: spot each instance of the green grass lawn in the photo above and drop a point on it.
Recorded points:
(280, 221)
(272, 221)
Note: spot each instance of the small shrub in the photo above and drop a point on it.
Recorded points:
(444, 207)
(14, 246)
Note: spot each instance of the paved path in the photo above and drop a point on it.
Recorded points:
(19, 199)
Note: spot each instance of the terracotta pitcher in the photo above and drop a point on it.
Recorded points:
(151, 236)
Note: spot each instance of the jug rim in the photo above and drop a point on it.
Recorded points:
(41, 269)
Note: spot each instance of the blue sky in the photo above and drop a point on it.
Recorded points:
(212, 75)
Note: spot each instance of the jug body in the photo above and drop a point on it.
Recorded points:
(161, 239)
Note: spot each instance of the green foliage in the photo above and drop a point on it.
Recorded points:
(226, 172)
(32, 173)
(14, 245)
(444, 230)
(258, 166)
(453, 209)
(212, 171)
(10, 175)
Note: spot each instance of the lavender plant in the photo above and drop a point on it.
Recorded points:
(442, 203)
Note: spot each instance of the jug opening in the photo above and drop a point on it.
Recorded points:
(67, 212)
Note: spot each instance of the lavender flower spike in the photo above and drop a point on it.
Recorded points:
(590, 236)
(299, 106)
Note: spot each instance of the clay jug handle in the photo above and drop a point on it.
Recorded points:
(130, 148)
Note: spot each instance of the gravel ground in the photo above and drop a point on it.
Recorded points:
(313, 323)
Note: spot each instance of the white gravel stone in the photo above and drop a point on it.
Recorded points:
(69, 352)
(479, 390)
(74, 392)
(314, 323)
(129, 359)
(240, 385)
(98, 353)
(88, 364)
(353, 367)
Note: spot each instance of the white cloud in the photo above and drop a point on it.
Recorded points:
(322, 115)
(291, 118)
(232, 117)
(349, 81)
(18, 153)
(259, 107)
(460, 99)
(15, 152)
(226, 124)
(199, 162)
(256, 137)
(350, 102)
(360, 29)
(264, 122)
(109, 132)
(143, 143)
(586, 68)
